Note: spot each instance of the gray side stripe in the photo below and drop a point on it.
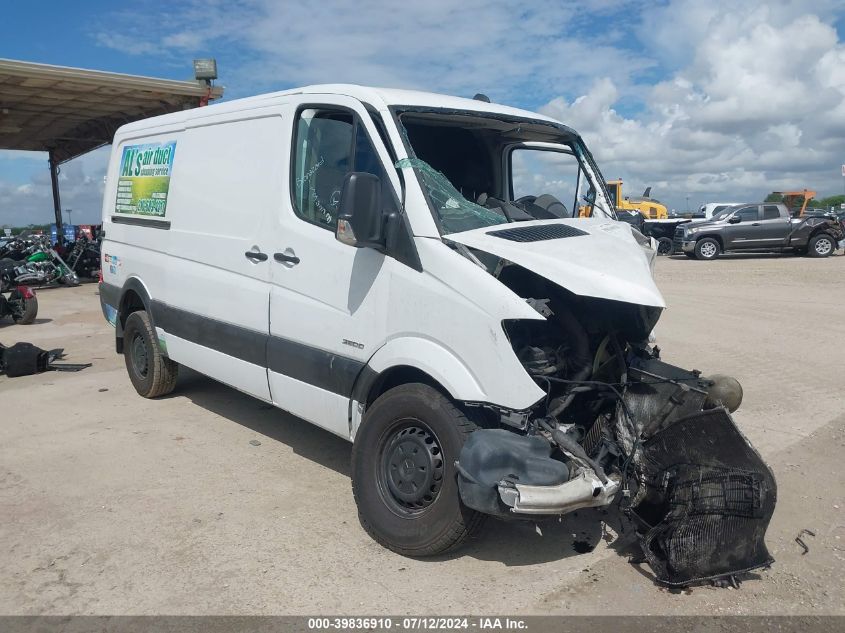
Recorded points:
(307, 364)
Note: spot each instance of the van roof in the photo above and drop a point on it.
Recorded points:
(380, 98)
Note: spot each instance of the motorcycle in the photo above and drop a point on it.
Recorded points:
(83, 257)
(36, 262)
(21, 303)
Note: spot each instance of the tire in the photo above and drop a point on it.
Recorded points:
(821, 245)
(707, 248)
(151, 372)
(423, 431)
(665, 246)
(23, 310)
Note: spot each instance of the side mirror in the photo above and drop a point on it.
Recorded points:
(360, 220)
(735, 219)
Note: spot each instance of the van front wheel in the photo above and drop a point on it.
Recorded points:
(403, 472)
(151, 372)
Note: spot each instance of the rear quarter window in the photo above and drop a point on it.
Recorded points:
(771, 212)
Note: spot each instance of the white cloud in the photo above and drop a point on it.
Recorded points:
(81, 185)
(673, 31)
(710, 99)
(506, 50)
(759, 107)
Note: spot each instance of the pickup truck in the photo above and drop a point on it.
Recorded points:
(758, 227)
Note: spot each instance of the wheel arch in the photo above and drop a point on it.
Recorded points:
(713, 236)
(371, 384)
(420, 357)
(134, 296)
(409, 360)
(821, 228)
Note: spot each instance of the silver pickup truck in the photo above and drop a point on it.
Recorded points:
(758, 227)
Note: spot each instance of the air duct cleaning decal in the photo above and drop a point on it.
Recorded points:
(145, 179)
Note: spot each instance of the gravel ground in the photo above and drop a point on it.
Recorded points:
(208, 501)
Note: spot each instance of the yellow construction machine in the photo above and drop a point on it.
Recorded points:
(650, 208)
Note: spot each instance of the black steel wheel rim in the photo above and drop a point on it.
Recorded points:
(140, 356)
(410, 469)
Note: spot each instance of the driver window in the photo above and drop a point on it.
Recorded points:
(323, 153)
(535, 172)
(329, 144)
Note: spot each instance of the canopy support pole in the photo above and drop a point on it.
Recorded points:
(57, 201)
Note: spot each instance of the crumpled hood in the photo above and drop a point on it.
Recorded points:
(602, 259)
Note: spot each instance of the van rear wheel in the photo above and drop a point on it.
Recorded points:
(403, 472)
(151, 372)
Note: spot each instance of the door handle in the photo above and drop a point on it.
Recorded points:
(288, 259)
(755, 224)
(256, 257)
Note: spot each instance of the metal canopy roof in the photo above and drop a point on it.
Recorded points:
(70, 111)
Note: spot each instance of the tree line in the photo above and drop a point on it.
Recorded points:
(820, 203)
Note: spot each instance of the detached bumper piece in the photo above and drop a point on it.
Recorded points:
(505, 474)
(494, 457)
(706, 500)
(584, 491)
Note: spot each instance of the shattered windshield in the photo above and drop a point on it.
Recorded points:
(456, 212)
(464, 161)
(478, 169)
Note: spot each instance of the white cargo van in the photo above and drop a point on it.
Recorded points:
(403, 270)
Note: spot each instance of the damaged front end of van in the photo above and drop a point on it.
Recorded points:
(618, 425)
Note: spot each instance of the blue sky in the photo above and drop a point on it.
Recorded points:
(707, 99)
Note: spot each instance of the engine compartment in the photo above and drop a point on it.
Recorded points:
(620, 425)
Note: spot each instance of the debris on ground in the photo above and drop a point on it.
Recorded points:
(255, 442)
(731, 581)
(801, 542)
(25, 359)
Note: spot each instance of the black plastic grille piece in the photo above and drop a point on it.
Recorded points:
(710, 500)
(538, 233)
